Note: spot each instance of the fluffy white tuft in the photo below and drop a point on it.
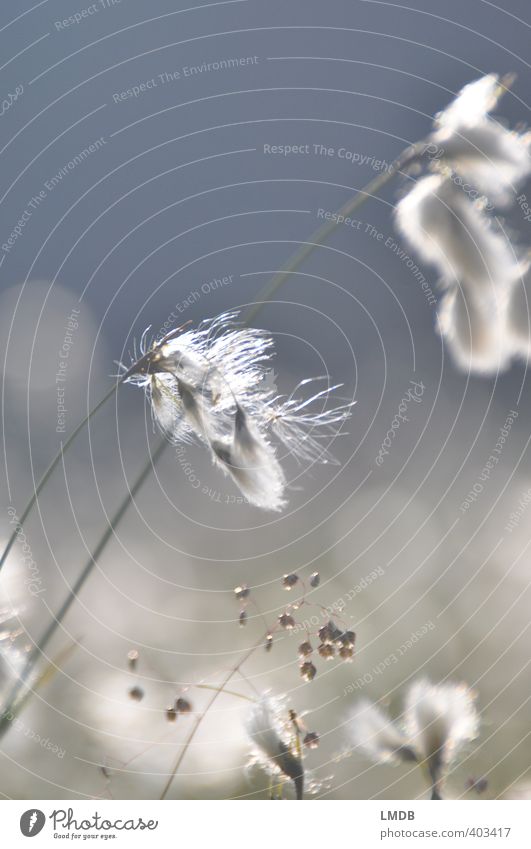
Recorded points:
(440, 719)
(264, 727)
(519, 317)
(213, 384)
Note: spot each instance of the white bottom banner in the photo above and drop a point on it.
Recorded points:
(356, 823)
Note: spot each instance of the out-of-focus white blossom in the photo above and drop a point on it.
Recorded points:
(251, 462)
(213, 384)
(519, 317)
(472, 104)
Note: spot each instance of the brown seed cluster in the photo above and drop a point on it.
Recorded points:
(335, 643)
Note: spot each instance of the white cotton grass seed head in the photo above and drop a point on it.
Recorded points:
(304, 425)
(450, 232)
(474, 330)
(482, 151)
(213, 385)
(489, 157)
(377, 736)
(268, 734)
(440, 719)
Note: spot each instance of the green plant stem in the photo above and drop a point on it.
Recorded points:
(16, 693)
(47, 474)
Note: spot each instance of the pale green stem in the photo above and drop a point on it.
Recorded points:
(321, 234)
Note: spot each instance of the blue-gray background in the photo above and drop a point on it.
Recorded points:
(177, 195)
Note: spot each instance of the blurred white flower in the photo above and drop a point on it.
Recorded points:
(439, 720)
(471, 104)
(373, 732)
(215, 384)
(268, 734)
(520, 791)
(519, 316)
(251, 462)
(482, 151)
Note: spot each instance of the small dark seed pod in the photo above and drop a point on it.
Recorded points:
(242, 592)
(268, 642)
(182, 705)
(315, 579)
(136, 693)
(243, 618)
(171, 714)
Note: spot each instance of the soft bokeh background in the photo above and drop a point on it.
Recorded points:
(177, 195)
